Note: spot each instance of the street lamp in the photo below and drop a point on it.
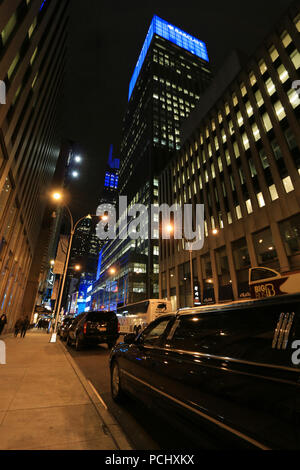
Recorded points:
(58, 197)
(111, 271)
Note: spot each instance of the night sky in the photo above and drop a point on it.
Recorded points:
(105, 41)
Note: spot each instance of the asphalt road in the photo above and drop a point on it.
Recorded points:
(144, 430)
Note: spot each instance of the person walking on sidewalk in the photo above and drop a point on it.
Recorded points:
(18, 327)
(25, 326)
(3, 321)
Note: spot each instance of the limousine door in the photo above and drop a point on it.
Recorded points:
(137, 365)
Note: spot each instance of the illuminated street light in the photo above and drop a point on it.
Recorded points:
(52, 262)
(78, 159)
(77, 267)
(215, 231)
(57, 196)
(75, 174)
(112, 271)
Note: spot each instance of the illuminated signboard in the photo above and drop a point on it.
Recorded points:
(171, 33)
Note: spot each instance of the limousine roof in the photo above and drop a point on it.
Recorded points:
(241, 304)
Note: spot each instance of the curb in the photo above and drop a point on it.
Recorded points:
(109, 424)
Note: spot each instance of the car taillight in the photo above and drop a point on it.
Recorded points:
(84, 328)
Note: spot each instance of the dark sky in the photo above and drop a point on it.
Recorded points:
(104, 44)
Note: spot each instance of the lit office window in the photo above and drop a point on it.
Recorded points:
(245, 141)
(294, 98)
(223, 136)
(286, 38)
(295, 58)
(279, 109)
(227, 156)
(255, 131)
(216, 143)
(220, 164)
(297, 22)
(249, 206)
(288, 185)
(10, 26)
(227, 109)
(259, 98)
(238, 212)
(283, 74)
(212, 168)
(267, 122)
(236, 150)
(262, 66)
(243, 89)
(229, 217)
(249, 109)
(252, 78)
(270, 86)
(273, 53)
(240, 118)
(220, 119)
(260, 199)
(273, 192)
(234, 99)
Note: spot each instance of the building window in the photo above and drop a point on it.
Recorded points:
(283, 73)
(279, 109)
(273, 53)
(273, 192)
(270, 86)
(264, 247)
(238, 212)
(259, 98)
(267, 122)
(286, 38)
(249, 206)
(295, 58)
(288, 185)
(262, 66)
(260, 199)
(294, 98)
(241, 254)
(290, 233)
(249, 109)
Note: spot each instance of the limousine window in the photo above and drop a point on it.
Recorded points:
(240, 333)
(154, 333)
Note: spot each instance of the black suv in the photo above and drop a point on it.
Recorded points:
(232, 371)
(94, 328)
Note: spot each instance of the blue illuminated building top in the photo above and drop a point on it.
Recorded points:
(111, 180)
(171, 33)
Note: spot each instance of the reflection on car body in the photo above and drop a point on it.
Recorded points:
(226, 369)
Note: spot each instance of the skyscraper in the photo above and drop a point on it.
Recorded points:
(32, 57)
(240, 158)
(171, 74)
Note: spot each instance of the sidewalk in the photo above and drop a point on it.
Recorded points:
(46, 402)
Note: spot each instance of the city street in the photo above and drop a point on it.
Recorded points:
(143, 429)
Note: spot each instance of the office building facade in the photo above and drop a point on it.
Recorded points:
(32, 58)
(171, 74)
(241, 159)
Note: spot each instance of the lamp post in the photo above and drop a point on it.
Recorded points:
(58, 197)
(112, 271)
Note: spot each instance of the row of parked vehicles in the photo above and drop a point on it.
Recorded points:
(90, 328)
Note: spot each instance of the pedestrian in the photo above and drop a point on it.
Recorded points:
(18, 327)
(24, 328)
(3, 321)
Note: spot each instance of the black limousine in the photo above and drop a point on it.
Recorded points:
(229, 370)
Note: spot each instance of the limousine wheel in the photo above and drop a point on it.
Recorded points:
(116, 390)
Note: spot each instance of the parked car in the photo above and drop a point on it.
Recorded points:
(94, 328)
(227, 369)
(63, 328)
